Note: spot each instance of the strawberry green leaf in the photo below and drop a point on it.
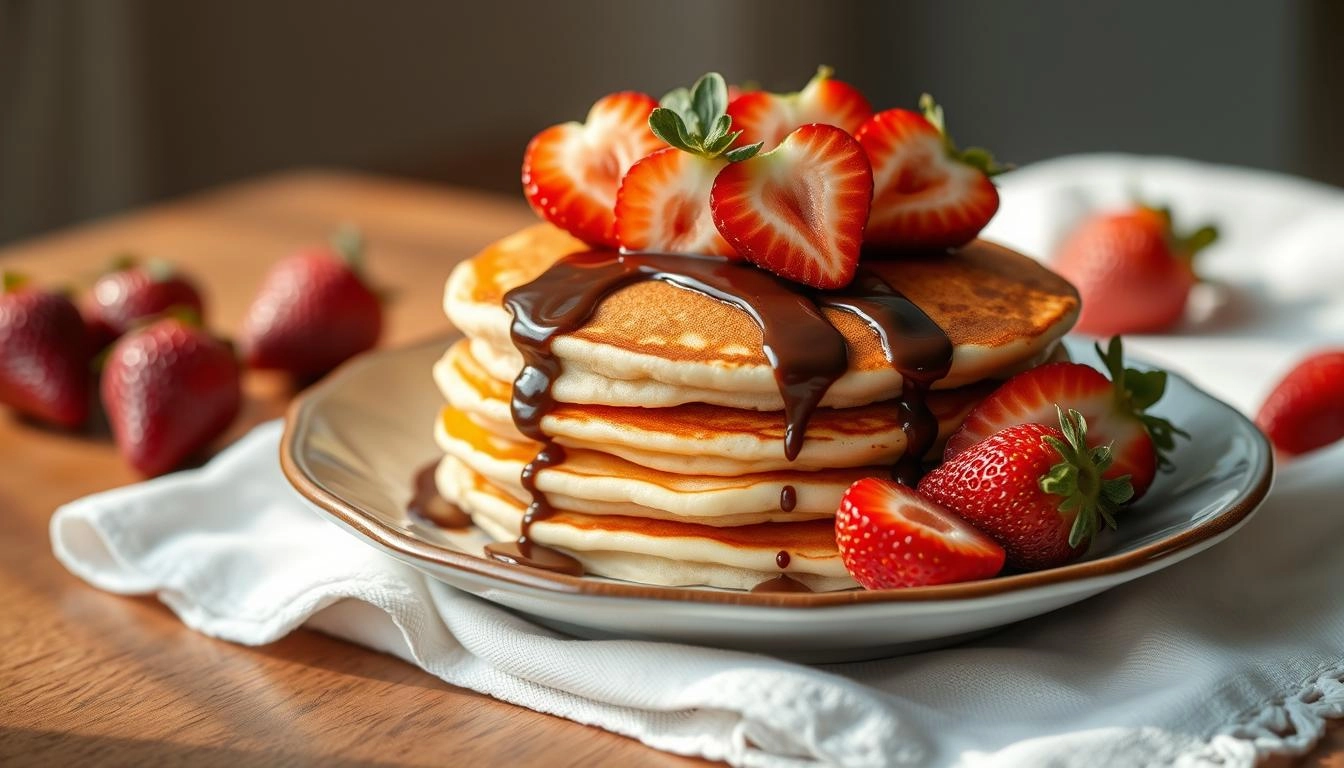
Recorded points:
(1077, 479)
(668, 126)
(695, 120)
(1137, 391)
(11, 281)
(349, 243)
(743, 153)
(976, 157)
(709, 99)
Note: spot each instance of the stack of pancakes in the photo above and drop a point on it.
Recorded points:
(669, 413)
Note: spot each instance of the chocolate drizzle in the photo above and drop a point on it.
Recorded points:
(788, 498)
(427, 503)
(806, 353)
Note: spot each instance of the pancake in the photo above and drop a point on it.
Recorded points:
(593, 482)
(701, 439)
(654, 344)
(656, 551)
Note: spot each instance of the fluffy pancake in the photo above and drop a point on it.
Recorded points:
(700, 439)
(657, 551)
(654, 344)
(598, 483)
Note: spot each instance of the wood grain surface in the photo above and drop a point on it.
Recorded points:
(88, 678)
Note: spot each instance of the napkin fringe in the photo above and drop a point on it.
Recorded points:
(1291, 725)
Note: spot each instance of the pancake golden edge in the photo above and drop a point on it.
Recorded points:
(658, 552)
(1002, 311)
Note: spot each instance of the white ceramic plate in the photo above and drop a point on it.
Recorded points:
(353, 443)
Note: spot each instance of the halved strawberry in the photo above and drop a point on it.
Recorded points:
(1115, 410)
(926, 193)
(663, 203)
(769, 117)
(798, 210)
(889, 537)
(571, 171)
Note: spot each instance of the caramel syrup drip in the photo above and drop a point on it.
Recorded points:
(426, 502)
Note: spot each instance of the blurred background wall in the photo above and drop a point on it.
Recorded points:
(105, 105)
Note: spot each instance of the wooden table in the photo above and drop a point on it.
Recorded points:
(90, 678)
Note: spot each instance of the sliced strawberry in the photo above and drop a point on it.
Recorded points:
(663, 203)
(1115, 409)
(1035, 489)
(1305, 411)
(769, 117)
(798, 210)
(926, 193)
(890, 537)
(571, 171)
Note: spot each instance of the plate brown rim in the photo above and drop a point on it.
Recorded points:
(408, 545)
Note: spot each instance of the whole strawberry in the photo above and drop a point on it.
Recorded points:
(312, 312)
(131, 292)
(1036, 490)
(1133, 272)
(169, 389)
(44, 355)
(1305, 411)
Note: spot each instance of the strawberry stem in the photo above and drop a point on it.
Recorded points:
(349, 243)
(1078, 479)
(1137, 391)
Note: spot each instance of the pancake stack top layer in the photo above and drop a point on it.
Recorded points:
(685, 421)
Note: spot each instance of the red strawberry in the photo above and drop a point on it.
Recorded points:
(169, 389)
(1133, 273)
(1305, 411)
(131, 292)
(798, 210)
(1036, 490)
(663, 203)
(769, 117)
(571, 171)
(890, 537)
(927, 194)
(44, 354)
(312, 312)
(1115, 411)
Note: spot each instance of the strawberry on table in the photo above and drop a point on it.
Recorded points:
(131, 292)
(889, 537)
(169, 389)
(799, 209)
(313, 311)
(663, 202)
(927, 194)
(1040, 492)
(1115, 411)
(1133, 271)
(44, 354)
(769, 117)
(571, 171)
(1305, 410)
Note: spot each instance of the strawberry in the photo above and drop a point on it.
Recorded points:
(44, 354)
(769, 117)
(1038, 491)
(169, 389)
(131, 292)
(1115, 409)
(927, 194)
(889, 537)
(1305, 410)
(663, 203)
(313, 311)
(1133, 272)
(799, 209)
(571, 171)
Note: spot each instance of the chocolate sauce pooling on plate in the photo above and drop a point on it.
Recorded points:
(781, 583)
(806, 353)
(426, 503)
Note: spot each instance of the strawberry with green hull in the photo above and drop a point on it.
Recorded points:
(663, 202)
(890, 537)
(1040, 492)
(131, 293)
(169, 389)
(798, 210)
(1305, 410)
(927, 194)
(1133, 271)
(768, 117)
(313, 311)
(1116, 411)
(44, 354)
(572, 171)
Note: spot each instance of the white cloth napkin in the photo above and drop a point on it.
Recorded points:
(1233, 654)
